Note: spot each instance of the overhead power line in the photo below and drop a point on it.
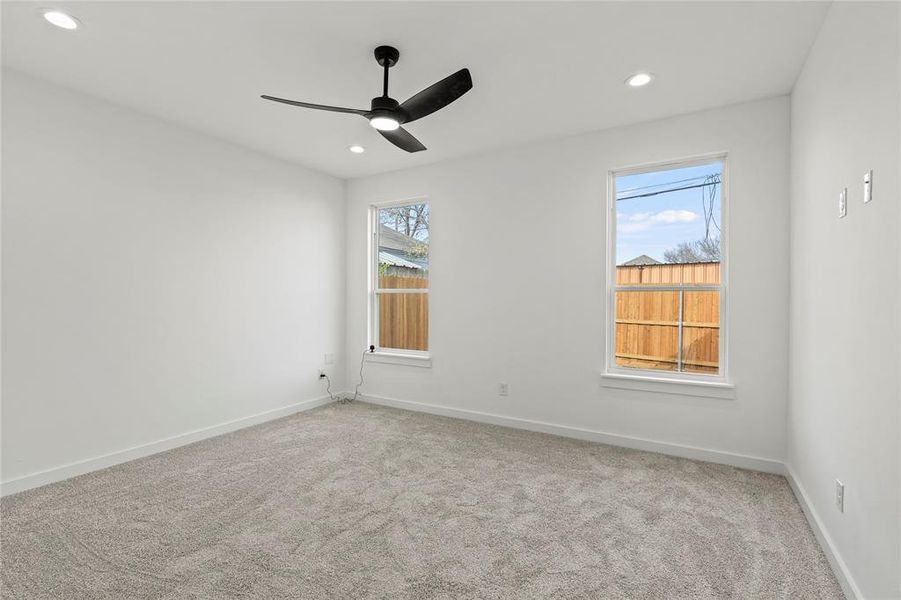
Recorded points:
(656, 185)
(657, 193)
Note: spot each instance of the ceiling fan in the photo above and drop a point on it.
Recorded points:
(387, 115)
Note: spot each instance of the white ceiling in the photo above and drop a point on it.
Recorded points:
(540, 70)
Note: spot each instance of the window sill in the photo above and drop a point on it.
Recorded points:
(662, 385)
(393, 358)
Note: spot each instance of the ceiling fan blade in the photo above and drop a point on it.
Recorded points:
(403, 139)
(437, 96)
(352, 111)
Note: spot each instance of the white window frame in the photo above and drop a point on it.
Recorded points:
(650, 379)
(400, 356)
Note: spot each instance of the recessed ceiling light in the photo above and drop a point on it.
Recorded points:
(61, 19)
(639, 79)
(357, 149)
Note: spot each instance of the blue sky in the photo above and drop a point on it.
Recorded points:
(657, 223)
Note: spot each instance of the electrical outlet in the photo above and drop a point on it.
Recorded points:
(840, 495)
(503, 389)
(329, 358)
(868, 186)
(843, 203)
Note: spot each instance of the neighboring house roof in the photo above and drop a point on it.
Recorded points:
(642, 260)
(389, 258)
(399, 250)
(394, 240)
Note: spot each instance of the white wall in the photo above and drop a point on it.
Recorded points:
(155, 281)
(518, 261)
(845, 360)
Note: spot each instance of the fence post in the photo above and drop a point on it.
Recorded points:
(679, 356)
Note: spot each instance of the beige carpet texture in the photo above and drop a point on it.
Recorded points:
(360, 501)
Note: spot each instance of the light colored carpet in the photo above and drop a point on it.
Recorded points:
(359, 501)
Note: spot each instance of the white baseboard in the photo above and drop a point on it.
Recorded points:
(715, 456)
(60, 473)
(839, 568)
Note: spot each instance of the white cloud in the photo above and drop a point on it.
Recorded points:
(634, 222)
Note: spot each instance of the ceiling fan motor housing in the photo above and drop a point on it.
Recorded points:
(383, 106)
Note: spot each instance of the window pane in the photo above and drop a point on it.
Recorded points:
(669, 216)
(404, 321)
(647, 330)
(701, 332)
(404, 246)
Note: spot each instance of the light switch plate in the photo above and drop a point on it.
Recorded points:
(839, 496)
(843, 203)
(868, 186)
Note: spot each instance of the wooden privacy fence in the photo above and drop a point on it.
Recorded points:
(651, 328)
(669, 274)
(404, 317)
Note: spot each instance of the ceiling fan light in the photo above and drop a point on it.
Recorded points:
(384, 123)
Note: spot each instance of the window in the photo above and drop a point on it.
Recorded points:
(399, 314)
(666, 282)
